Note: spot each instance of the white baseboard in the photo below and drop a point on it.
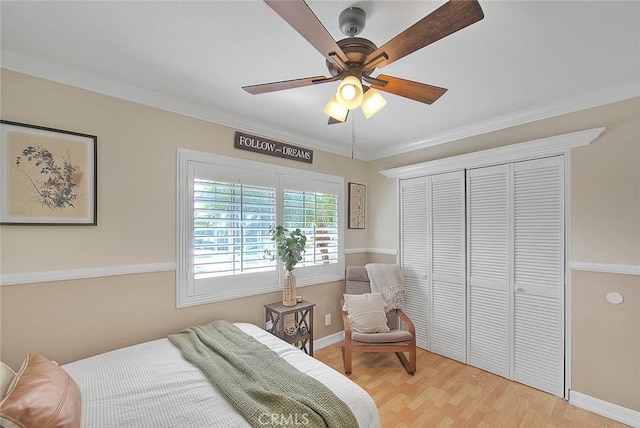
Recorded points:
(323, 342)
(606, 409)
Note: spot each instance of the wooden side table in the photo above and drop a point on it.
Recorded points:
(275, 323)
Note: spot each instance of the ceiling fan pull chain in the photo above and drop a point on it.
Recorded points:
(353, 133)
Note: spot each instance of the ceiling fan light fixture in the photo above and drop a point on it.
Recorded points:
(354, 59)
(350, 93)
(335, 110)
(372, 102)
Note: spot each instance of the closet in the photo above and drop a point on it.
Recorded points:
(482, 252)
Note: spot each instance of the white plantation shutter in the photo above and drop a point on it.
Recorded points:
(225, 209)
(538, 337)
(315, 207)
(488, 248)
(414, 253)
(231, 227)
(316, 215)
(448, 253)
(229, 216)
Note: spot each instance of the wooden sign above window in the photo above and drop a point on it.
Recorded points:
(272, 148)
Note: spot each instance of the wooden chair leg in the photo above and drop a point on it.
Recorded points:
(405, 363)
(412, 360)
(347, 360)
(409, 366)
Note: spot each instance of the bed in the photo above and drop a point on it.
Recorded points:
(152, 385)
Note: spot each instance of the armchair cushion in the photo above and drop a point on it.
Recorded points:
(366, 313)
(392, 336)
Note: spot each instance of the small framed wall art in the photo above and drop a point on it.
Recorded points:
(357, 205)
(47, 176)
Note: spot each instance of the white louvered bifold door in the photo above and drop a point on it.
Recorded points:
(538, 273)
(414, 255)
(448, 272)
(488, 214)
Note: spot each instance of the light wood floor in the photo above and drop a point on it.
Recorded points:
(446, 393)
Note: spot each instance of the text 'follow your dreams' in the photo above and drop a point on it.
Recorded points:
(272, 148)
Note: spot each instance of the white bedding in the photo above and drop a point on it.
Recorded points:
(152, 385)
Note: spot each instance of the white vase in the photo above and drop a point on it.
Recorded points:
(289, 289)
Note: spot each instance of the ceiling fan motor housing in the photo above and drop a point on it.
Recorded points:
(357, 50)
(356, 57)
(352, 21)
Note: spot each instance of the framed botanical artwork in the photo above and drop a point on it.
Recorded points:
(47, 176)
(357, 205)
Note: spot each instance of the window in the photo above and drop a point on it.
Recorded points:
(316, 214)
(231, 224)
(226, 207)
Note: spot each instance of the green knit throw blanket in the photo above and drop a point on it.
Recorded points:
(266, 390)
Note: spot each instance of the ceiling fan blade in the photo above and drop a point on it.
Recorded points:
(304, 21)
(285, 84)
(421, 92)
(333, 121)
(447, 19)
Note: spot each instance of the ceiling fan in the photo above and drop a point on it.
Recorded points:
(353, 59)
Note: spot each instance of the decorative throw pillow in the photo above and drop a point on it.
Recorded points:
(6, 376)
(42, 395)
(366, 312)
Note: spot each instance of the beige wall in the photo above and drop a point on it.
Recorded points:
(605, 192)
(605, 228)
(136, 176)
(66, 320)
(606, 338)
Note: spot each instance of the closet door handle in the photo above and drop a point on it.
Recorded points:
(520, 290)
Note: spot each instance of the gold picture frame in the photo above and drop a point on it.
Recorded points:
(47, 176)
(357, 206)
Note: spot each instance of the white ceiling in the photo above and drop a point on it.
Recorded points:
(526, 60)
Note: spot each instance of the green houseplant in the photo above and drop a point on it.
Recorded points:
(289, 249)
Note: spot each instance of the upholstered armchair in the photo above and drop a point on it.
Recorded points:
(397, 339)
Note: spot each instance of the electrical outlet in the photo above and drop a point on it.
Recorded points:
(327, 319)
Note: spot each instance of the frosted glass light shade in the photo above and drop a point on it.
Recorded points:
(335, 110)
(349, 93)
(372, 102)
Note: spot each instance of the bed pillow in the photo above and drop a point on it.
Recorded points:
(366, 312)
(6, 376)
(42, 395)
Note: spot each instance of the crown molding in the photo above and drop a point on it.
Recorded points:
(542, 147)
(48, 70)
(611, 94)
